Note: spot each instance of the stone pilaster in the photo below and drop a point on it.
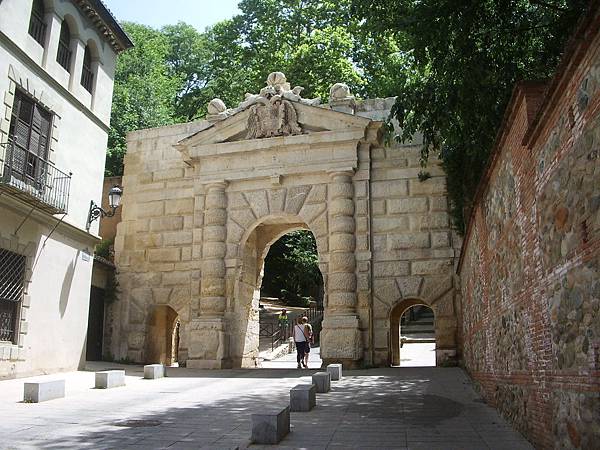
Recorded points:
(341, 340)
(208, 345)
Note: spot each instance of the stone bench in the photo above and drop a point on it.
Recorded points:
(303, 397)
(154, 371)
(270, 426)
(335, 370)
(43, 391)
(109, 379)
(322, 381)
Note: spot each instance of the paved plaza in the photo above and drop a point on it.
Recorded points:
(404, 408)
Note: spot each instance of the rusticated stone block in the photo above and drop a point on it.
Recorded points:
(43, 391)
(109, 379)
(303, 397)
(270, 426)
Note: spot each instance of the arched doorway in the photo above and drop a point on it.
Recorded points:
(291, 280)
(412, 334)
(162, 339)
(245, 307)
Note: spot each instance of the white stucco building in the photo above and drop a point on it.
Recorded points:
(57, 61)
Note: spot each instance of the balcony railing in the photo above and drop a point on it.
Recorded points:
(33, 179)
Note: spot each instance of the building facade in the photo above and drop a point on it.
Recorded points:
(203, 202)
(57, 61)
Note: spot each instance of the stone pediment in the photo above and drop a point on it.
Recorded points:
(277, 133)
(277, 111)
(310, 119)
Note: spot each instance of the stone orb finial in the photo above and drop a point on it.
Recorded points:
(339, 91)
(276, 79)
(216, 106)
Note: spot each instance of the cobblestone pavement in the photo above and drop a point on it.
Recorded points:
(399, 408)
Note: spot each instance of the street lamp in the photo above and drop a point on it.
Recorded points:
(114, 200)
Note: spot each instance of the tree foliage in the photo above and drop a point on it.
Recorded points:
(143, 91)
(464, 57)
(291, 269)
(171, 74)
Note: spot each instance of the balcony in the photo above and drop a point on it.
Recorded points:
(33, 180)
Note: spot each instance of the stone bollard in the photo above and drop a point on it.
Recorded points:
(322, 381)
(43, 391)
(270, 426)
(109, 379)
(335, 370)
(154, 371)
(303, 397)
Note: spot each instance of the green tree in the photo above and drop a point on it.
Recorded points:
(144, 92)
(292, 268)
(462, 59)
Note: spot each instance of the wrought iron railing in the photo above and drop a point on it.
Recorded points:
(277, 333)
(33, 179)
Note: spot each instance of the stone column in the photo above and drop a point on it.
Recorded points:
(341, 338)
(208, 346)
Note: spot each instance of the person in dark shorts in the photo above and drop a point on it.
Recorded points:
(301, 342)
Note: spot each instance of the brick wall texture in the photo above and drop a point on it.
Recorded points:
(530, 263)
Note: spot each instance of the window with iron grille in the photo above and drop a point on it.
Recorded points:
(12, 280)
(29, 133)
(37, 26)
(87, 76)
(63, 55)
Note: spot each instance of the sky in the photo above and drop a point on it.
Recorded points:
(156, 13)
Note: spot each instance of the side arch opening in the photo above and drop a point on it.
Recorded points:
(412, 334)
(162, 337)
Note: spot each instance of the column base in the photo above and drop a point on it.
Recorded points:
(208, 346)
(341, 341)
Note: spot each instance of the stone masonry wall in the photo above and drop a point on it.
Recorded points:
(530, 268)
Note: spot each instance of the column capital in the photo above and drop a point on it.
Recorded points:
(341, 172)
(219, 185)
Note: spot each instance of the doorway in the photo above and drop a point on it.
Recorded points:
(162, 343)
(412, 331)
(95, 331)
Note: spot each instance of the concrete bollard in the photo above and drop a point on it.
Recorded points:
(109, 379)
(335, 370)
(154, 371)
(43, 391)
(303, 397)
(270, 426)
(322, 380)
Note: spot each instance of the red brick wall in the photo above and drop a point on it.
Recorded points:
(530, 264)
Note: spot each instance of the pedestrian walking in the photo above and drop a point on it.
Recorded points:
(301, 342)
(308, 333)
(283, 323)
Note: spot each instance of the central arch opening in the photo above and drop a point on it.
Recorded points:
(279, 271)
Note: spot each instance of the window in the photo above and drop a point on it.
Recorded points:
(37, 27)
(63, 56)
(87, 76)
(12, 278)
(29, 134)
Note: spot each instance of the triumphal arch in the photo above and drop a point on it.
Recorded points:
(203, 201)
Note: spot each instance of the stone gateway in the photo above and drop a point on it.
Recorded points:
(203, 202)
